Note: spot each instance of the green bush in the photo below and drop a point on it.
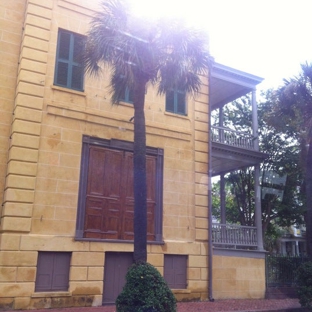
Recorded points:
(145, 291)
(304, 284)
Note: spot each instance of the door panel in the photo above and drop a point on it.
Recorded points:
(115, 270)
(109, 210)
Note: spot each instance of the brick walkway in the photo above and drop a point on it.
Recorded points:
(259, 305)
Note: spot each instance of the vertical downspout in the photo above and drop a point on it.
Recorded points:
(210, 292)
(258, 212)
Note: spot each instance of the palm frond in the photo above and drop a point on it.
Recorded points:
(166, 53)
(106, 37)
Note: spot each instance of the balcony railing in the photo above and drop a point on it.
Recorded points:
(234, 236)
(231, 137)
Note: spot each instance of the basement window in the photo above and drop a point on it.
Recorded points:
(52, 271)
(175, 267)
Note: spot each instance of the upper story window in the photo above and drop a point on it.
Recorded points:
(128, 97)
(176, 102)
(68, 67)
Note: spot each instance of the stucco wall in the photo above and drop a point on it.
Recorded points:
(11, 19)
(238, 277)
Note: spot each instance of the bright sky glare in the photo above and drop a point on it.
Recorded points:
(267, 38)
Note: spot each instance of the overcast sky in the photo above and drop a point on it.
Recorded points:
(267, 38)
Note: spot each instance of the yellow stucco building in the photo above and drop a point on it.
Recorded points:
(65, 238)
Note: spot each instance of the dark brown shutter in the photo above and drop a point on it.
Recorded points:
(103, 203)
(151, 196)
(128, 202)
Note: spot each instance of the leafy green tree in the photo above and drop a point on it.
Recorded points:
(231, 212)
(139, 52)
(283, 159)
(292, 114)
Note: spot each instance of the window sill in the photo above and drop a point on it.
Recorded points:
(80, 93)
(177, 115)
(114, 241)
(51, 294)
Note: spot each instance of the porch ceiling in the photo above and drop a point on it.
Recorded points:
(227, 158)
(228, 84)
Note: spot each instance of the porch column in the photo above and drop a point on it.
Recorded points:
(255, 121)
(258, 214)
(221, 131)
(297, 248)
(222, 180)
(222, 199)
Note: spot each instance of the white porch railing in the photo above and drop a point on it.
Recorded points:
(231, 137)
(233, 236)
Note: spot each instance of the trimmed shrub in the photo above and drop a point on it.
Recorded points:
(145, 291)
(304, 284)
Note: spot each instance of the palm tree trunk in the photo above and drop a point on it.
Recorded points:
(139, 175)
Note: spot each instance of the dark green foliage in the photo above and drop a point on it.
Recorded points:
(304, 284)
(282, 270)
(145, 291)
(292, 114)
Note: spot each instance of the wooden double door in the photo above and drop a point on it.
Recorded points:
(109, 198)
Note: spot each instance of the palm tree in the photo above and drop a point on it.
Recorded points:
(164, 53)
(294, 115)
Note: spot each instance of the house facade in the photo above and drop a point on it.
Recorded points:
(292, 241)
(66, 234)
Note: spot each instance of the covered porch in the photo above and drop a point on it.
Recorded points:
(232, 150)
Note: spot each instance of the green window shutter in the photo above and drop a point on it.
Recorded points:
(170, 101)
(180, 103)
(68, 68)
(127, 96)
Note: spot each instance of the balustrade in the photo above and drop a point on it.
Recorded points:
(231, 137)
(234, 236)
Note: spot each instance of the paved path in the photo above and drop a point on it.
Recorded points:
(250, 305)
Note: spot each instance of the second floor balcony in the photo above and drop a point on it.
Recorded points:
(234, 138)
(232, 150)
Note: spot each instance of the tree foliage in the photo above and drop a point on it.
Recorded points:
(304, 285)
(292, 115)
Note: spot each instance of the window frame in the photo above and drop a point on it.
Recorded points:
(70, 61)
(56, 258)
(175, 110)
(87, 141)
